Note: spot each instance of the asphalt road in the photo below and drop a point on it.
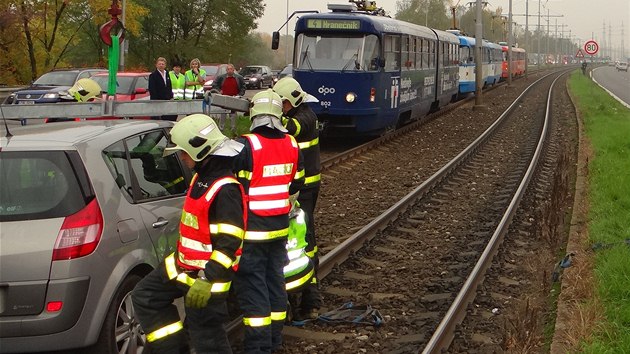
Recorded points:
(617, 82)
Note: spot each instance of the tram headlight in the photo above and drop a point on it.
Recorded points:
(350, 97)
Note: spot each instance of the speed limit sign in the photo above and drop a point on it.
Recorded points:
(591, 47)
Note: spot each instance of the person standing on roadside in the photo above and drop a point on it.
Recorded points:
(195, 78)
(211, 230)
(301, 122)
(178, 81)
(160, 86)
(230, 84)
(270, 167)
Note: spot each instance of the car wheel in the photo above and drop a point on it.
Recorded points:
(260, 84)
(121, 331)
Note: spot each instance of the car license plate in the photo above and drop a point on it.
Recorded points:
(26, 102)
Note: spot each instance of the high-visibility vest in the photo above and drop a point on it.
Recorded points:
(178, 83)
(300, 269)
(190, 91)
(194, 245)
(274, 167)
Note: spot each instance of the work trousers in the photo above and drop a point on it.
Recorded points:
(261, 294)
(153, 300)
(310, 297)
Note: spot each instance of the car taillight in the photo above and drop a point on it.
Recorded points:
(372, 94)
(80, 233)
(54, 306)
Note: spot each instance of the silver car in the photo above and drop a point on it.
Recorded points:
(86, 210)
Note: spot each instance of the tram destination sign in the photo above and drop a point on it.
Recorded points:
(327, 24)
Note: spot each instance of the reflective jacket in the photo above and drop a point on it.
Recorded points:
(177, 83)
(194, 247)
(300, 269)
(275, 164)
(192, 90)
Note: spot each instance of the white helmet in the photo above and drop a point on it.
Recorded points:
(84, 90)
(289, 89)
(266, 110)
(199, 136)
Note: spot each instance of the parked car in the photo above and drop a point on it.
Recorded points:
(212, 72)
(47, 87)
(257, 76)
(622, 66)
(87, 210)
(287, 71)
(129, 87)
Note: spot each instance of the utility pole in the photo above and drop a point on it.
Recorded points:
(526, 36)
(478, 56)
(286, 40)
(538, 54)
(509, 53)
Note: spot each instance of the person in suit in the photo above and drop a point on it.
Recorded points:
(160, 86)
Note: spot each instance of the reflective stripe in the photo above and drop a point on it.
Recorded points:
(215, 187)
(278, 316)
(221, 258)
(269, 190)
(177, 180)
(227, 229)
(255, 142)
(296, 264)
(270, 204)
(194, 245)
(312, 253)
(265, 235)
(171, 268)
(299, 282)
(220, 287)
(299, 174)
(308, 144)
(184, 278)
(189, 220)
(312, 179)
(298, 126)
(257, 321)
(165, 331)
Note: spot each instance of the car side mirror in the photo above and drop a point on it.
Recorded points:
(140, 90)
(275, 40)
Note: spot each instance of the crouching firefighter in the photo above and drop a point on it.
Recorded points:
(210, 241)
(301, 269)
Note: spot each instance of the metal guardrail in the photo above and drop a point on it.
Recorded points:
(5, 91)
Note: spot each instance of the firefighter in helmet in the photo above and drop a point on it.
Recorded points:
(211, 232)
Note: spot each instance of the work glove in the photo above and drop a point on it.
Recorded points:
(199, 293)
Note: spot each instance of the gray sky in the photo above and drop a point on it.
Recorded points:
(582, 17)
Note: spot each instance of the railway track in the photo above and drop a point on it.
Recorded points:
(438, 231)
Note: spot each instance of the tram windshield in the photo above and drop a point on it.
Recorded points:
(337, 53)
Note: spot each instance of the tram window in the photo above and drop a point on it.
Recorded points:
(418, 50)
(392, 53)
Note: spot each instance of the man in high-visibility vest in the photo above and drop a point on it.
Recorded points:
(270, 167)
(211, 232)
(178, 81)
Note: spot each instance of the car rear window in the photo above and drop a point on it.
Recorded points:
(38, 185)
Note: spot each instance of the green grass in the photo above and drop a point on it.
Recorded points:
(607, 125)
(242, 125)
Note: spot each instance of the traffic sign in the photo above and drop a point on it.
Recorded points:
(591, 47)
(579, 54)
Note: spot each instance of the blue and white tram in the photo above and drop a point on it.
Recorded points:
(372, 73)
(490, 64)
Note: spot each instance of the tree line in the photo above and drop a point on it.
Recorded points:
(39, 35)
